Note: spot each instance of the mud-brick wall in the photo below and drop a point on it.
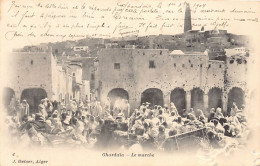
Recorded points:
(171, 71)
(32, 70)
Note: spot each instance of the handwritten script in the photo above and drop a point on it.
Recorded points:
(74, 20)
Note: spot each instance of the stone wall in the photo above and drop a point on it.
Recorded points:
(187, 71)
(29, 70)
(32, 70)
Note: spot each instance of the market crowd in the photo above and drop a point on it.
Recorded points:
(100, 125)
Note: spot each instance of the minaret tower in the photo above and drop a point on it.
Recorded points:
(187, 20)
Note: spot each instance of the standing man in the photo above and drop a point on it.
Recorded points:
(24, 110)
(126, 110)
(98, 109)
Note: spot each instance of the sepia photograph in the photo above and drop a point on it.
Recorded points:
(130, 82)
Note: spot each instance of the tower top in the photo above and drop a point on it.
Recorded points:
(187, 19)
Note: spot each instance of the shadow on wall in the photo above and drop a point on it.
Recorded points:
(8, 94)
(197, 100)
(153, 95)
(236, 95)
(215, 98)
(178, 97)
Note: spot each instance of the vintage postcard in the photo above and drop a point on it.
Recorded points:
(117, 82)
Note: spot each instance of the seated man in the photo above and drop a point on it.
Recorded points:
(217, 126)
(161, 136)
(170, 144)
(150, 142)
(228, 131)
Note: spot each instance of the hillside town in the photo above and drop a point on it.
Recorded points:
(156, 92)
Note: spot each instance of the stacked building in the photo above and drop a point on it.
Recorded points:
(157, 76)
(183, 69)
(35, 74)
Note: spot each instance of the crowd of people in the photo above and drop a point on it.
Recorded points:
(98, 126)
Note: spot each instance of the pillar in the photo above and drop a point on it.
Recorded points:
(206, 101)
(77, 96)
(246, 97)
(188, 100)
(102, 97)
(166, 98)
(225, 102)
(134, 100)
(18, 94)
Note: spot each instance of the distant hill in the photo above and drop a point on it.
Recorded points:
(215, 41)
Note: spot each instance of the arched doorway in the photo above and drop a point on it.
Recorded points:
(117, 93)
(8, 94)
(235, 95)
(33, 96)
(197, 99)
(153, 96)
(215, 98)
(179, 99)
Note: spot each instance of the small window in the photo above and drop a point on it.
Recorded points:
(174, 65)
(239, 61)
(117, 66)
(183, 65)
(92, 76)
(189, 61)
(31, 62)
(231, 61)
(200, 65)
(209, 65)
(151, 64)
(191, 65)
(73, 74)
(220, 66)
(161, 52)
(143, 53)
